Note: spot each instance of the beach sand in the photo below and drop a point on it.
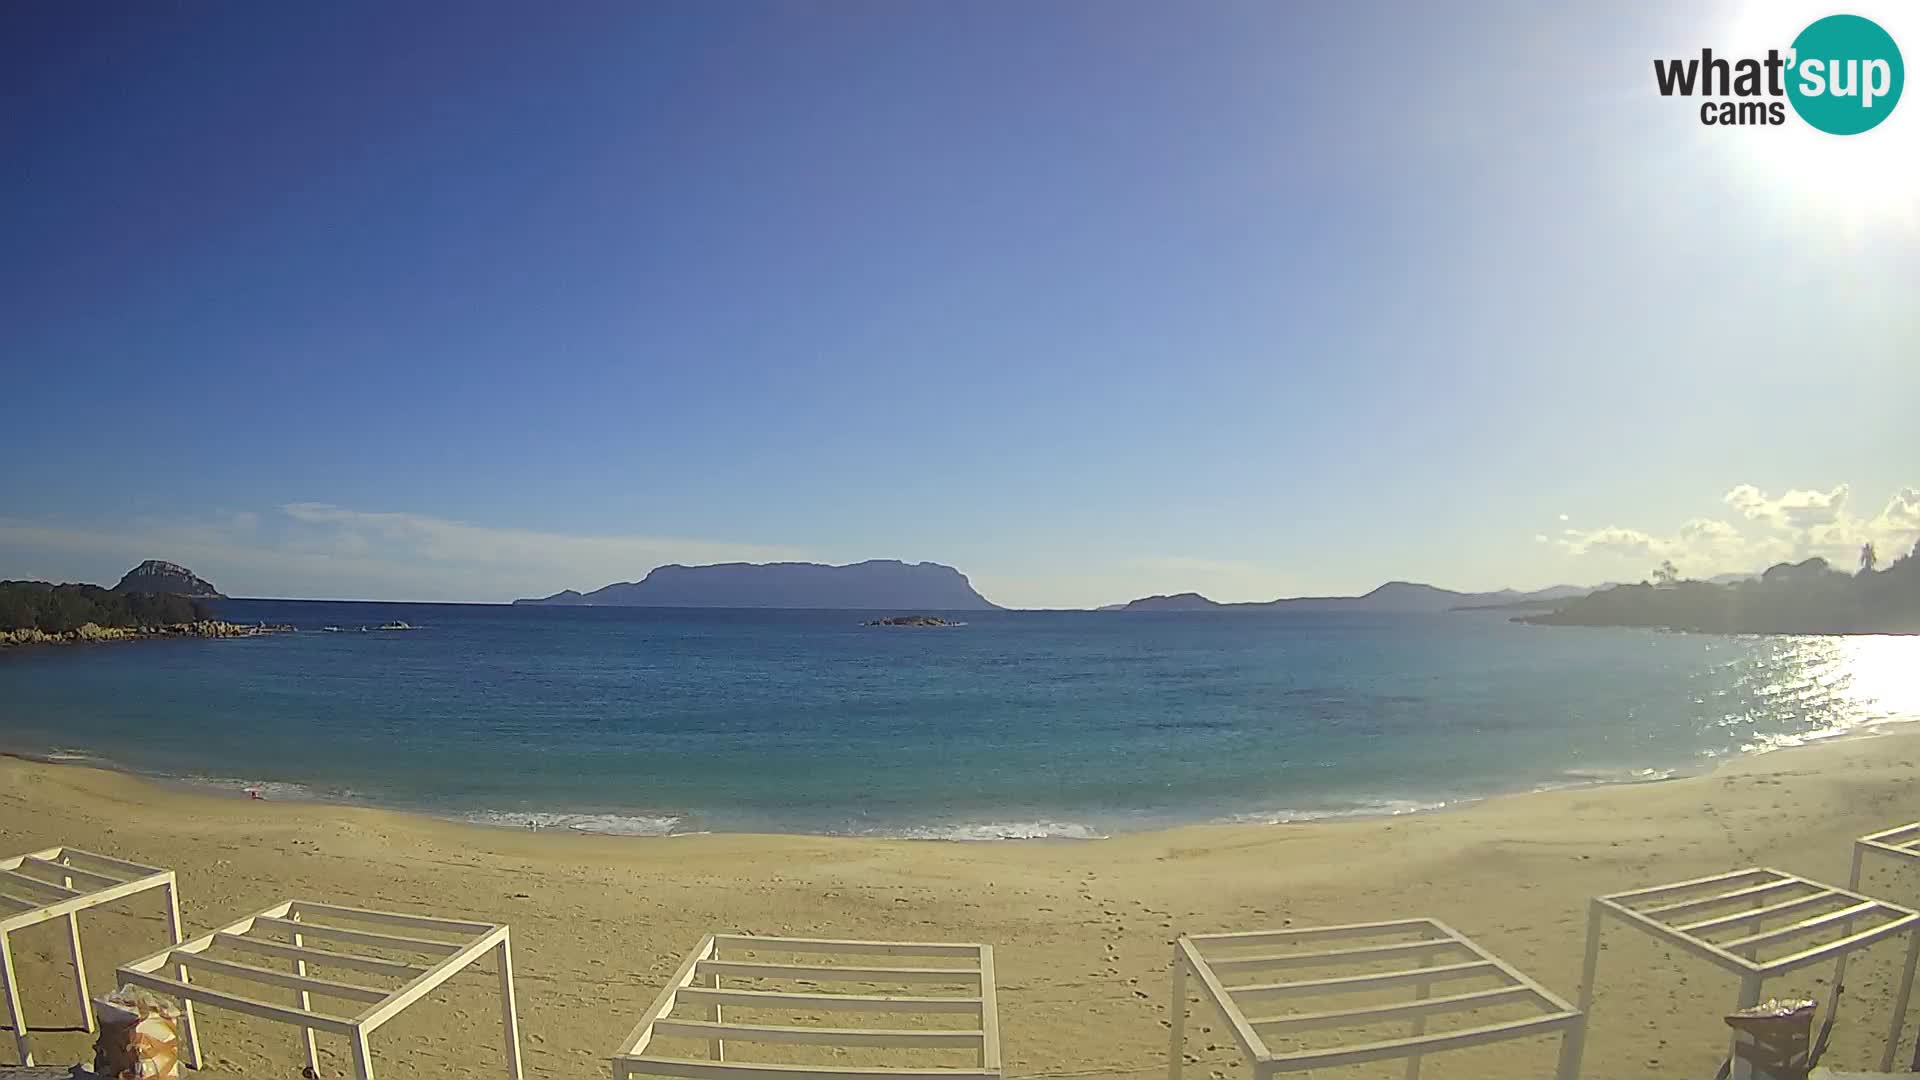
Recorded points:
(1082, 929)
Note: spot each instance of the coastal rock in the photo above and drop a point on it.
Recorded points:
(876, 583)
(94, 632)
(161, 577)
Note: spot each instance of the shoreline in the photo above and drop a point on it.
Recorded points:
(1082, 931)
(95, 634)
(227, 790)
(640, 823)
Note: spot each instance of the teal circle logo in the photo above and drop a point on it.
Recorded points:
(1847, 74)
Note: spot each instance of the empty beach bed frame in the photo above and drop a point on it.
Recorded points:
(1245, 976)
(1898, 843)
(953, 1035)
(1759, 924)
(59, 883)
(408, 956)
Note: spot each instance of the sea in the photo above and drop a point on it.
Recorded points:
(1007, 726)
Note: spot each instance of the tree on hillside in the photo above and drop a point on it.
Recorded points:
(1667, 573)
(1868, 560)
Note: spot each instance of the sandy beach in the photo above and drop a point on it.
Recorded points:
(1082, 929)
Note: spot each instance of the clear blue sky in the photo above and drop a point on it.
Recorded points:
(456, 301)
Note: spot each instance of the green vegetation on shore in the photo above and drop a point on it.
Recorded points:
(61, 609)
(1809, 597)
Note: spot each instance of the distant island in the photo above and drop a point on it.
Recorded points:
(39, 612)
(910, 620)
(158, 576)
(1808, 597)
(1395, 597)
(876, 584)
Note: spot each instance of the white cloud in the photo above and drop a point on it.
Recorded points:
(1797, 524)
(1796, 509)
(1612, 540)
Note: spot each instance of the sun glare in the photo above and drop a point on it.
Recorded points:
(1883, 676)
(1857, 183)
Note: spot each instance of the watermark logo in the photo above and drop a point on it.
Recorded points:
(1843, 75)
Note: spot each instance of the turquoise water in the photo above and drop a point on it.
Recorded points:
(1016, 724)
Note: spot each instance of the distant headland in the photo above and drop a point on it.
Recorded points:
(1808, 597)
(1395, 597)
(876, 584)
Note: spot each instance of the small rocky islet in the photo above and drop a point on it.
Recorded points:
(911, 620)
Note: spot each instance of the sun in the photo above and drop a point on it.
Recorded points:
(1855, 183)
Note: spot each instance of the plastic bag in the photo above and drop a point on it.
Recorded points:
(139, 1036)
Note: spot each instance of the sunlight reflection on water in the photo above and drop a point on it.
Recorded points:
(1810, 688)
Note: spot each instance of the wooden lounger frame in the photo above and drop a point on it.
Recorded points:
(461, 945)
(59, 883)
(699, 981)
(1437, 954)
(1733, 908)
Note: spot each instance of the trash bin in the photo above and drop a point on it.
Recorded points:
(139, 1036)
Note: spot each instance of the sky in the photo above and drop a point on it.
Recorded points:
(1092, 300)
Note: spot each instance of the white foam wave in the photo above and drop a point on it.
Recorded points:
(997, 830)
(278, 790)
(1571, 778)
(602, 824)
(1375, 808)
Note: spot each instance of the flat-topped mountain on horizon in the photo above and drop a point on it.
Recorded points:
(1392, 597)
(877, 584)
(167, 579)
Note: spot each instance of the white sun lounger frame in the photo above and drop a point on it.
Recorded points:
(1900, 843)
(300, 919)
(705, 968)
(1668, 912)
(1190, 957)
(86, 881)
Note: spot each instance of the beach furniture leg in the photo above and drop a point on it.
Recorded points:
(509, 1014)
(14, 1016)
(1840, 965)
(1177, 1017)
(79, 967)
(306, 1004)
(1420, 992)
(1900, 1001)
(1749, 997)
(716, 1047)
(79, 964)
(1574, 1044)
(192, 1041)
(362, 1057)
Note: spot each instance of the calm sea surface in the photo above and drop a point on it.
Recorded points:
(1014, 725)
